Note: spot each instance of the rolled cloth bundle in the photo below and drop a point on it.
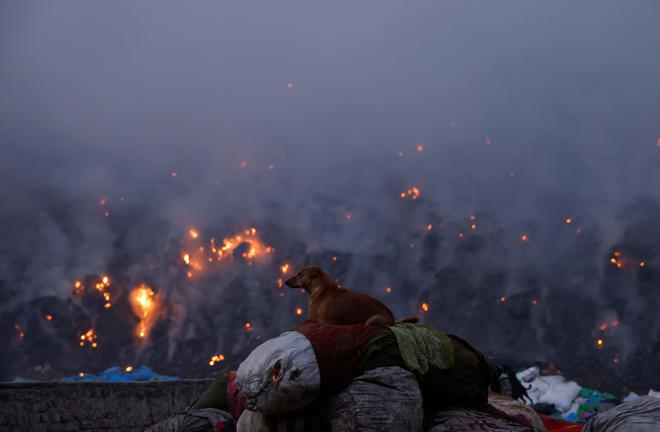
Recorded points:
(291, 371)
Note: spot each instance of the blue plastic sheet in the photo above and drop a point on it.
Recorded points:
(117, 374)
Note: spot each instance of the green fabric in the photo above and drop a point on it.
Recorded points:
(381, 351)
(215, 396)
(422, 347)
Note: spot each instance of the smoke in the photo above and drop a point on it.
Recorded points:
(304, 122)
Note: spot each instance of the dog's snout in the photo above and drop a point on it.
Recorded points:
(292, 282)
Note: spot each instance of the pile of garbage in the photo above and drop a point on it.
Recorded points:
(555, 395)
(406, 377)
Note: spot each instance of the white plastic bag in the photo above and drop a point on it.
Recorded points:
(561, 395)
(281, 375)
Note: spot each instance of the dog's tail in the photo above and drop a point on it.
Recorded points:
(410, 319)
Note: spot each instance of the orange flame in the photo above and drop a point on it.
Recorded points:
(89, 337)
(414, 192)
(425, 307)
(216, 359)
(299, 311)
(19, 330)
(145, 304)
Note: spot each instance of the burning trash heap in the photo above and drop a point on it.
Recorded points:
(195, 301)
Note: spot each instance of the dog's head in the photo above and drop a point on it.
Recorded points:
(307, 278)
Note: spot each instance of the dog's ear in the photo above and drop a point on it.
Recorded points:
(314, 272)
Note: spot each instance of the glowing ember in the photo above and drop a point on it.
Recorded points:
(600, 343)
(81, 374)
(280, 282)
(145, 304)
(289, 85)
(472, 217)
(400, 154)
(284, 268)
(103, 201)
(48, 317)
(78, 287)
(615, 360)
(299, 311)
(186, 258)
(173, 174)
(388, 290)
(19, 330)
(89, 338)
(216, 359)
(568, 220)
(524, 237)
(247, 326)
(413, 193)
(420, 147)
(617, 260)
(535, 302)
(334, 258)
(642, 264)
(461, 235)
(193, 233)
(128, 368)
(425, 307)
(429, 227)
(603, 326)
(349, 216)
(473, 227)
(502, 299)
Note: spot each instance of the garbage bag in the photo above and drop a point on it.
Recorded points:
(202, 420)
(639, 415)
(382, 399)
(307, 420)
(500, 414)
(281, 375)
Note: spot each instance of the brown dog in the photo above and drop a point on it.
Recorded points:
(330, 304)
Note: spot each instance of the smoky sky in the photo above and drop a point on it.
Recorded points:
(529, 111)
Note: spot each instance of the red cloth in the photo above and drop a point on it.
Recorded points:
(338, 350)
(555, 425)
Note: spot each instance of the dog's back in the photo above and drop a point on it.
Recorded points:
(340, 306)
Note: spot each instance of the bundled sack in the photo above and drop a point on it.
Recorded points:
(500, 414)
(639, 415)
(307, 420)
(280, 375)
(202, 420)
(382, 399)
